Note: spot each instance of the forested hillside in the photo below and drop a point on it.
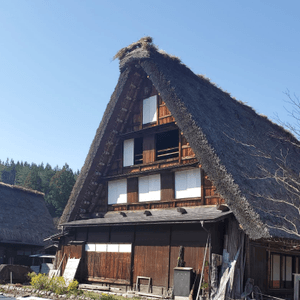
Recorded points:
(56, 183)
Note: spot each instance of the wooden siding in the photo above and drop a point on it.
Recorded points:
(208, 195)
(107, 265)
(167, 186)
(151, 160)
(155, 250)
(70, 251)
(149, 149)
(164, 115)
(132, 190)
(152, 261)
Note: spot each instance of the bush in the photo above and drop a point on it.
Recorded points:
(73, 285)
(55, 284)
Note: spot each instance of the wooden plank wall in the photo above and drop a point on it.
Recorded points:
(106, 265)
(69, 251)
(154, 252)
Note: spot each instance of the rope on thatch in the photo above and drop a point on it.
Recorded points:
(144, 42)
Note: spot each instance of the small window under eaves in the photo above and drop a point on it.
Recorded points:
(150, 110)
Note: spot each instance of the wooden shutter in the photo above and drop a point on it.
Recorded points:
(150, 110)
(188, 184)
(117, 191)
(149, 188)
(128, 153)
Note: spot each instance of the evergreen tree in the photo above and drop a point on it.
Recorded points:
(33, 180)
(61, 185)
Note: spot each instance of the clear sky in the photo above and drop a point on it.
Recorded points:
(57, 72)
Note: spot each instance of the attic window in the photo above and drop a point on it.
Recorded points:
(167, 145)
(188, 184)
(150, 110)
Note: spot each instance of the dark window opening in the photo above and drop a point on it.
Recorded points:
(138, 151)
(167, 145)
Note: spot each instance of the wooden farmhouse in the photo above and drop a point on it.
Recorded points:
(24, 224)
(180, 174)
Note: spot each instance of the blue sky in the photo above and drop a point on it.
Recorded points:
(57, 72)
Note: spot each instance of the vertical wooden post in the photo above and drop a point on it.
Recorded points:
(202, 187)
(169, 271)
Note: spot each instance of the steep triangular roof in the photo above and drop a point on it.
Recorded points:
(236, 147)
(24, 217)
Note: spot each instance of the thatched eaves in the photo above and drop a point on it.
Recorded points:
(24, 217)
(238, 149)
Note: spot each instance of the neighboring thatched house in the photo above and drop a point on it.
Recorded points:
(24, 223)
(171, 149)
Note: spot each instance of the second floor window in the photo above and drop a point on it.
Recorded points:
(188, 184)
(149, 188)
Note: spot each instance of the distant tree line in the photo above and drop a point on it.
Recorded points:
(56, 183)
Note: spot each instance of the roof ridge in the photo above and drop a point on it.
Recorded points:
(18, 187)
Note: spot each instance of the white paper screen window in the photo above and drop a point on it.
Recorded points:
(188, 184)
(125, 248)
(90, 247)
(149, 110)
(149, 188)
(128, 153)
(117, 191)
(101, 247)
(112, 247)
(276, 268)
(288, 269)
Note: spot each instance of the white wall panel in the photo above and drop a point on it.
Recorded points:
(149, 188)
(117, 191)
(128, 153)
(150, 110)
(188, 184)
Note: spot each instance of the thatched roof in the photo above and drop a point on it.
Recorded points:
(238, 149)
(24, 217)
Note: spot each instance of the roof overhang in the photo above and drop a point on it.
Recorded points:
(155, 216)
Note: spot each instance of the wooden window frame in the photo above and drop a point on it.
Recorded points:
(282, 264)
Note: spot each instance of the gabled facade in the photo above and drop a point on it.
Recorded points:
(172, 150)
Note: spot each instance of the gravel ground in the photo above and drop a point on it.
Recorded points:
(11, 292)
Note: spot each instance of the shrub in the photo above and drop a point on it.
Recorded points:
(39, 281)
(73, 285)
(55, 284)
